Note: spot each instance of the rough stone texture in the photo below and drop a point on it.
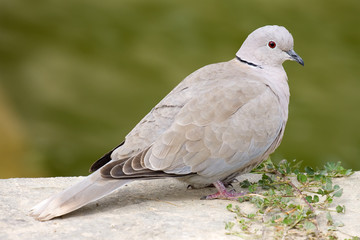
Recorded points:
(156, 209)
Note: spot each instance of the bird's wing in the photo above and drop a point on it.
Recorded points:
(162, 116)
(221, 129)
(213, 122)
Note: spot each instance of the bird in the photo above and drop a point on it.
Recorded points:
(221, 121)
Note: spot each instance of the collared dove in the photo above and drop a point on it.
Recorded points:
(220, 121)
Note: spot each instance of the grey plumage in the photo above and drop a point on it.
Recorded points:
(220, 121)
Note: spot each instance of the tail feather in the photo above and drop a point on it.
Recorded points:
(88, 190)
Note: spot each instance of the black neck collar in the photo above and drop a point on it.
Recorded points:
(248, 63)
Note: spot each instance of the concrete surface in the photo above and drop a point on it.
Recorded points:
(156, 209)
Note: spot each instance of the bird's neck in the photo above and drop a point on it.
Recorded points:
(248, 62)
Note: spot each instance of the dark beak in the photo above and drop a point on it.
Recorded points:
(293, 56)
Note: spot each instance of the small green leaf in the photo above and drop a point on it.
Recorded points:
(288, 221)
(229, 225)
(340, 209)
(309, 199)
(271, 192)
(330, 219)
(320, 191)
(309, 226)
(309, 171)
(252, 188)
(301, 178)
(338, 193)
(245, 184)
(330, 166)
(328, 185)
(348, 172)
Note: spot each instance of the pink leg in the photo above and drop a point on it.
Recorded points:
(222, 193)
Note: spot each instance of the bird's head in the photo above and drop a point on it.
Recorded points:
(269, 46)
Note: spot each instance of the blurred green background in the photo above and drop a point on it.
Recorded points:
(76, 76)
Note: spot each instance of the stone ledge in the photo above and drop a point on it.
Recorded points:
(155, 209)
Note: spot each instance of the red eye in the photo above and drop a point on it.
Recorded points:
(272, 44)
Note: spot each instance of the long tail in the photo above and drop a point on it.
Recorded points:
(90, 189)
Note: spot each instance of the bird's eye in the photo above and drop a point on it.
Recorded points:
(272, 44)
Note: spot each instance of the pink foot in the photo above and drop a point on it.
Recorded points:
(222, 193)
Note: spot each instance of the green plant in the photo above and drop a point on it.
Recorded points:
(288, 202)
